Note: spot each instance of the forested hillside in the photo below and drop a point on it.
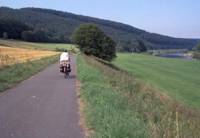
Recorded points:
(57, 26)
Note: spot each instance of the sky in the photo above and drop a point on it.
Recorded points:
(177, 18)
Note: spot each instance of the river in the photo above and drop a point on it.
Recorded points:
(176, 55)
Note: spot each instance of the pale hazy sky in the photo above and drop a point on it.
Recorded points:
(179, 18)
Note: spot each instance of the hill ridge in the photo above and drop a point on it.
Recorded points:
(61, 24)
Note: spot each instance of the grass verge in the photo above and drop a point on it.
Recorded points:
(39, 46)
(11, 75)
(117, 105)
(108, 113)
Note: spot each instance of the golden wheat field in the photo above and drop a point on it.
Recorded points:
(10, 55)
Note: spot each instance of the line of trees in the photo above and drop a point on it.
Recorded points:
(14, 29)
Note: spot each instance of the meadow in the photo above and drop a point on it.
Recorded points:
(178, 78)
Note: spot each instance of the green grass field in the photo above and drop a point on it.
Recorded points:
(179, 78)
(41, 46)
(119, 106)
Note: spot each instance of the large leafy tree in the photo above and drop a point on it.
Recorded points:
(93, 41)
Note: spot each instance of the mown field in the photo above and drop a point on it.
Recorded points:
(178, 78)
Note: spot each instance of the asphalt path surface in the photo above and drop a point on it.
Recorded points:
(44, 106)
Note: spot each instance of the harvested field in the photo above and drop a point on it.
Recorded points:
(9, 55)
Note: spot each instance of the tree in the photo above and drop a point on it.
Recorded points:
(108, 51)
(198, 47)
(93, 41)
(141, 46)
(5, 35)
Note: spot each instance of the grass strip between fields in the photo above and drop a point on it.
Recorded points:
(11, 75)
(39, 46)
(118, 105)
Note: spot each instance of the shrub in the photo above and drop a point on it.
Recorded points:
(196, 55)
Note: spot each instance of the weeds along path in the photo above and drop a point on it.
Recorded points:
(13, 74)
(107, 112)
(161, 116)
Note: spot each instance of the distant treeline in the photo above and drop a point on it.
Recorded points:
(13, 29)
(44, 25)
